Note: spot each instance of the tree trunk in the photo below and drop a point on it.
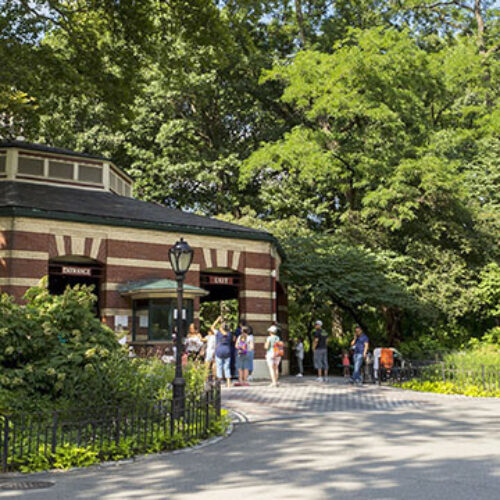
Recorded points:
(393, 317)
(480, 26)
(337, 327)
(299, 16)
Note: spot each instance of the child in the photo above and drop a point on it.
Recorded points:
(299, 352)
(346, 364)
(243, 348)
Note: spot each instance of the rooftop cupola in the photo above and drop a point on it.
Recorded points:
(39, 164)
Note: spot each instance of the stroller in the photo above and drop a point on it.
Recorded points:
(385, 366)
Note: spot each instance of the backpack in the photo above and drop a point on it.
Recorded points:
(278, 349)
(242, 347)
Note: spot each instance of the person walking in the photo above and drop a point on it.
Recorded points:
(360, 343)
(244, 345)
(299, 353)
(222, 350)
(273, 357)
(320, 352)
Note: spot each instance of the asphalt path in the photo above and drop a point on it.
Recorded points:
(429, 447)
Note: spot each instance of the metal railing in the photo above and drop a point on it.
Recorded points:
(483, 377)
(138, 428)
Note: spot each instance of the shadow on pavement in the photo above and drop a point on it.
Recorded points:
(406, 454)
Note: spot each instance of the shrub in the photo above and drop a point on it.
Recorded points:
(55, 353)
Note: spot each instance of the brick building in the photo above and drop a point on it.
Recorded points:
(72, 216)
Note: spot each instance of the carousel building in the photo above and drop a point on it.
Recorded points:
(72, 217)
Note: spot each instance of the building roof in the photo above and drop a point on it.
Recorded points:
(48, 149)
(158, 288)
(104, 208)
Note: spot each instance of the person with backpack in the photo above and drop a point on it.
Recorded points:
(244, 346)
(274, 352)
(222, 350)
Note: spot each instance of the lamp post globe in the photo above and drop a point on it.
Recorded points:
(181, 256)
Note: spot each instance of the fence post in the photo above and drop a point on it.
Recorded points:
(5, 444)
(208, 404)
(117, 432)
(171, 415)
(444, 372)
(217, 398)
(483, 376)
(55, 420)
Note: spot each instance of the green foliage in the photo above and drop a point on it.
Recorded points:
(55, 353)
(449, 388)
(69, 455)
(210, 311)
(371, 126)
(54, 345)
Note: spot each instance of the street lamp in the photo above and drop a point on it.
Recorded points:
(181, 256)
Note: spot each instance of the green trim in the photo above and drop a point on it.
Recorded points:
(108, 221)
(156, 284)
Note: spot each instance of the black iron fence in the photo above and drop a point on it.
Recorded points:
(109, 431)
(483, 377)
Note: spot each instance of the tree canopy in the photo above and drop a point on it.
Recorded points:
(364, 134)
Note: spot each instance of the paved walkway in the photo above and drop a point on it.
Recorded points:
(306, 396)
(345, 443)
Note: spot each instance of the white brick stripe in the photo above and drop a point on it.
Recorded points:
(116, 312)
(258, 317)
(19, 281)
(77, 245)
(222, 258)
(236, 260)
(60, 244)
(252, 271)
(24, 254)
(257, 294)
(157, 264)
(207, 255)
(94, 250)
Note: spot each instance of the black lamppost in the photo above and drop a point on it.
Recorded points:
(181, 256)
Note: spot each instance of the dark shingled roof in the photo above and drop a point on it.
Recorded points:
(102, 207)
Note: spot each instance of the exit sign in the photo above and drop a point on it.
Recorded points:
(221, 280)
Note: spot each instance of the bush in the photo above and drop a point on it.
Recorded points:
(55, 353)
(449, 388)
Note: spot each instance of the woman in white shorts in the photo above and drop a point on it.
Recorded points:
(273, 362)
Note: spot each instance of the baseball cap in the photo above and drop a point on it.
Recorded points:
(319, 323)
(272, 329)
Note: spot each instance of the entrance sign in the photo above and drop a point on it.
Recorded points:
(77, 271)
